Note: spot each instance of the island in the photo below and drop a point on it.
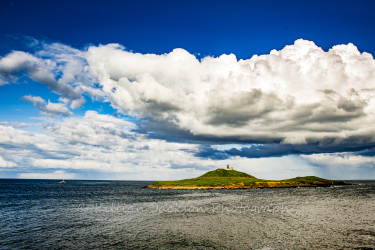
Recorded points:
(232, 179)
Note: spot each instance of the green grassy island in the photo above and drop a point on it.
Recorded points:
(232, 179)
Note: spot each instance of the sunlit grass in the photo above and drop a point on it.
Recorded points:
(235, 179)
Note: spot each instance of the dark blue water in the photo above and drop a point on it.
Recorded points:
(44, 214)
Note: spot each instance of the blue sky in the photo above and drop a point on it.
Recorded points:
(171, 89)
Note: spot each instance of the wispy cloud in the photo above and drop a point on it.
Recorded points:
(17, 124)
(58, 174)
(6, 164)
(48, 108)
(95, 142)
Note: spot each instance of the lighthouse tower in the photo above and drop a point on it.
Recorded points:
(228, 168)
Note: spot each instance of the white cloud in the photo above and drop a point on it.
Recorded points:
(6, 164)
(294, 94)
(58, 174)
(99, 143)
(107, 146)
(44, 71)
(343, 166)
(36, 101)
(294, 98)
(340, 159)
(56, 109)
(17, 124)
(48, 108)
(72, 66)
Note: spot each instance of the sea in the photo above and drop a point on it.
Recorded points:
(46, 214)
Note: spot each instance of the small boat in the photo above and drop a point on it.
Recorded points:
(62, 181)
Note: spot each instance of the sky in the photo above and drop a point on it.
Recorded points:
(161, 90)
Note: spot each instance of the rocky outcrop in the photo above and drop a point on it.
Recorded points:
(258, 184)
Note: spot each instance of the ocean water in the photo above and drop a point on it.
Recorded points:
(44, 214)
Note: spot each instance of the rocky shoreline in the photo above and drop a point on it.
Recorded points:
(241, 185)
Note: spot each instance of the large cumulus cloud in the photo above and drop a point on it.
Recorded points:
(297, 96)
(298, 100)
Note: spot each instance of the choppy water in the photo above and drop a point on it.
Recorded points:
(44, 214)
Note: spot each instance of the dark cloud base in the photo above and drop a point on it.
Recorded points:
(278, 150)
(263, 147)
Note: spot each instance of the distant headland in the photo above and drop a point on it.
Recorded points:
(232, 179)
